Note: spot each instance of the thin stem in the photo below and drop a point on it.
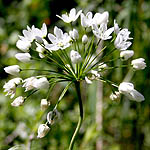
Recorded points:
(77, 85)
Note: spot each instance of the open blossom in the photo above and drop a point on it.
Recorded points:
(73, 16)
(10, 86)
(125, 55)
(128, 90)
(100, 18)
(41, 83)
(102, 32)
(18, 101)
(138, 64)
(75, 57)
(59, 40)
(87, 20)
(23, 57)
(93, 75)
(42, 130)
(29, 83)
(13, 70)
(121, 42)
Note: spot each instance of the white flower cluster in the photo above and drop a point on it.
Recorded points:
(76, 56)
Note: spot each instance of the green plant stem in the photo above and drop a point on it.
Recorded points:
(77, 85)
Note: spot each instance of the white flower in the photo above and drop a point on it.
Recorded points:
(102, 66)
(42, 130)
(13, 70)
(125, 55)
(93, 75)
(52, 116)
(128, 90)
(23, 45)
(102, 32)
(115, 96)
(29, 83)
(41, 83)
(121, 42)
(138, 64)
(75, 57)
(73, 16)
(100, 18)
(84, 39)
(18, 101)
(74, 34)
(59, 40)
(10, 86)
(87, 21)
(116, 27)
(44, 104)
(23, 57)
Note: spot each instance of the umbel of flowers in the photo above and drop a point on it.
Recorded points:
(77, 57)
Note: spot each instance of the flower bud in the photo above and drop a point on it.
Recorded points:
(41, 83)
(75, 57)
(84, 39)
(74, 34)
(23, 45)
(23, 57)
(116, 27)
(13, 70)
(102, 66)
(125, 55)
(42, 130)
(18, 101)
(44, 104)
(138, 64)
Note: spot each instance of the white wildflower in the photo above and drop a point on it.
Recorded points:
(13, 70)
(115, 96)
(102, 32)
(59, 40)
(84, 39)
(125, 55)
(73, 16)
(44, 104)
(10, 86)
(138, 64)
(23, 45)
(23, 57)
(43, 129)
(128, 90)
(87, 20)
(116, 27)
(18, 101)
(74, 34)
(121, 42)
(41, 83)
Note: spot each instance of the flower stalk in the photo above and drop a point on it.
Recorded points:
(77, 86)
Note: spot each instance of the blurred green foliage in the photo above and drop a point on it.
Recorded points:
(125, 125)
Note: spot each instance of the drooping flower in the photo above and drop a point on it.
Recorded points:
(44, 104)
(102, 32)
(23, 57)
(59, 40)
(138, 64)
(18, 101)
(128, 90)
(75, 57)
(13, 70)
(41, 83)
(29, 83)
(10, 86)
(121, 42)
(43, 129)
(73, 16)
(125, 55)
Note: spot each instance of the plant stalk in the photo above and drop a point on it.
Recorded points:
(77, 86)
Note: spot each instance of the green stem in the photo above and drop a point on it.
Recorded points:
(77, 85)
